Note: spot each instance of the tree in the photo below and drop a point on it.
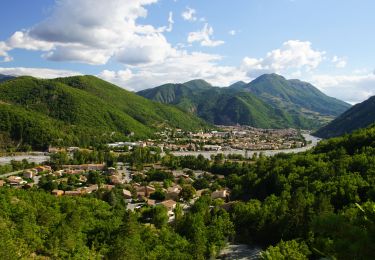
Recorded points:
(187, 192)
(292, 250)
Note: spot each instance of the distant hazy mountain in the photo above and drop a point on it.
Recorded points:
(80, 110)
(268, 101)
(359, 116)
(5, 77)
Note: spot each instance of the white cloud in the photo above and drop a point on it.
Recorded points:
(204, 37)
(189, 14)
(351, 88)
(79, 31)
(179, 68)
(38, 72)
(340, 62)
(293, 55)
(4, 52)
(232, 32)
(171, 22)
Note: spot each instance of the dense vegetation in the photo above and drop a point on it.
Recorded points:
(314, 204)
(359, 116)
(36, 224)
(269, 101)
(297, 206)
(80, 110)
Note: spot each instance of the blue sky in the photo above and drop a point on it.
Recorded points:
(140, 44)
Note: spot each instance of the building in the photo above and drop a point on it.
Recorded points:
(57, 192)
(16, 180)
(127, 194)
(85, 167)
(91, 188)
(173, 192)
(73, 193)
(170, 205)
(220, 194)
(29, 174)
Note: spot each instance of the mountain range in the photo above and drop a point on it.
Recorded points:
(81, 110)
(359, 116)
(269, 101)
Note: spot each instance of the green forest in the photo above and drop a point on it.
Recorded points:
(80, 111)
(317, 204)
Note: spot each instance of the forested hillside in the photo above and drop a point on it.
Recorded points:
(359, 116)
(268, 101)
(80, 110)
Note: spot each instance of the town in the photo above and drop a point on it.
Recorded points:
(225, 138)
(142, 173)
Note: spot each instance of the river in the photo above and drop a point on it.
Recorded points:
(207, 154)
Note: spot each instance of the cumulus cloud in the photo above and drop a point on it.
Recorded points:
(340, 62)
(293, 55)
(38, 72)
(351, 88)
(181, 67)
(78, 31)
(189, 14)
(204, 37)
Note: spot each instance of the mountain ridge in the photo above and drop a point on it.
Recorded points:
(269, 92)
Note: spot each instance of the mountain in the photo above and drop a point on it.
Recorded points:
(268, 101)
(359, 116)
(221, 106)
(296, 97)
(81, 110)
(5, 77)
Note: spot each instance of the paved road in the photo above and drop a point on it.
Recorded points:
(207, 154)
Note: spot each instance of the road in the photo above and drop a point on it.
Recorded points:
(207, 154)
(5, 175)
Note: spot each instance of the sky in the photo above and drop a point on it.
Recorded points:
(140, 44)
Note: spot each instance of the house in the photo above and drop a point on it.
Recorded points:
(43, 168)
(57, 192)
(145, 190)
(91, 188)
(170, 205)
(16, 180)
(73, 193)
(173, 192)
(85, 167)
(82, 178)
(115, 179)
(127, 194)
(107, 187)
(220, 194)
(199, 193)
(29, 174)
